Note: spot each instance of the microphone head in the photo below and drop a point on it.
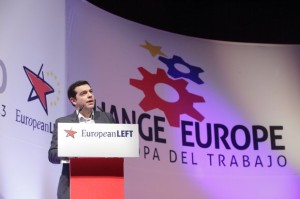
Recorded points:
(80, 108)
(100, 109)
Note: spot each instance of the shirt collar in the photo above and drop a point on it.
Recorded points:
(84, 119)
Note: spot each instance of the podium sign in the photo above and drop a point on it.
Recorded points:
(98, 140)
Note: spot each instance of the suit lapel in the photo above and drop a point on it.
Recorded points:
(97, 116)
(74, 117)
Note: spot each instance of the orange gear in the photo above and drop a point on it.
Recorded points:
(172, 110)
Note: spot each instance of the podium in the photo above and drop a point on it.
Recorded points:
(96, 153)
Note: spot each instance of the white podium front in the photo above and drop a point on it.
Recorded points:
(96, 153)
(98, 140)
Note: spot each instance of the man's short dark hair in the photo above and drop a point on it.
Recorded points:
(71, 89)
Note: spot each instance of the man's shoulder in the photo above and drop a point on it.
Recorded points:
(102, 113)
(104, 117)
(66, 118)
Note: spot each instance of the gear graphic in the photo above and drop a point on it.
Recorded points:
(172, 110)
(193, 74)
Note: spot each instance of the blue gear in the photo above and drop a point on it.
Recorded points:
(193, 75)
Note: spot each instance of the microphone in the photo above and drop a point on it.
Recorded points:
(80, 109)
(110, 120)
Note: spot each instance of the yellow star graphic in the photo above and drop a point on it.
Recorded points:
(154, 50)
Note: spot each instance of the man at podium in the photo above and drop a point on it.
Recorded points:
(82, 98)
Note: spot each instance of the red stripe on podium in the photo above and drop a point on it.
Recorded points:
(96, 178)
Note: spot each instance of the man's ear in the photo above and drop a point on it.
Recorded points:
(73, 101)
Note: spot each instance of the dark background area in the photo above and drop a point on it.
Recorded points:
(241, 21)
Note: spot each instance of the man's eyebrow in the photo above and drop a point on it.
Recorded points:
(82, 92)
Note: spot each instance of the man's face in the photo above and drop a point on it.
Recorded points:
(84, 97)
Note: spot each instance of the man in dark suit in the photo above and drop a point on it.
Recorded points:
(82, 98)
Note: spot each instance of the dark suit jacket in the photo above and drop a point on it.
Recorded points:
(63, 191)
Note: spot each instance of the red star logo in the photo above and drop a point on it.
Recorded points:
(70, 133)
(40, 86)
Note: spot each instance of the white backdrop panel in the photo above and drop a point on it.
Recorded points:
(242, 95)
(32, 41)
